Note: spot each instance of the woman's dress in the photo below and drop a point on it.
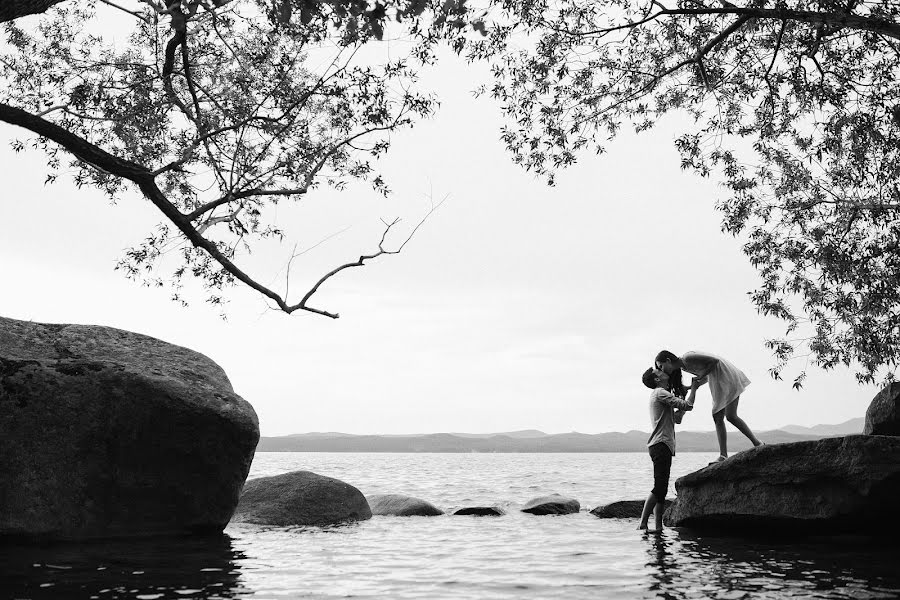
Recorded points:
(726, 381)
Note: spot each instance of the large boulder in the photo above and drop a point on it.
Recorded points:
(554, 504)
(623, 509)
(883, 415)
(398, 505)
(108, 433)
(844, 484)
(300, 498)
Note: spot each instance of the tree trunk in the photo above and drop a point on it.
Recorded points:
(13, 9)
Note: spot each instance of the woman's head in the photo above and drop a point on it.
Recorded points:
(666, 361)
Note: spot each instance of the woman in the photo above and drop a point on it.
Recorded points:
(726, 383)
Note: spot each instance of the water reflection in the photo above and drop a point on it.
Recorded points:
(687, 565)
(149, 569)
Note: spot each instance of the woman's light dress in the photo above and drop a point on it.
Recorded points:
(726, 381)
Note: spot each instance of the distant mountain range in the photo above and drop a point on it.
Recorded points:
(537, 441)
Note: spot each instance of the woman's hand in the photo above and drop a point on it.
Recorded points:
(696, 382)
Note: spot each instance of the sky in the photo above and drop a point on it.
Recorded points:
(515, 306)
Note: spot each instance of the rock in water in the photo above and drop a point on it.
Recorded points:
(554, 504)
(481, 511)
(108, 433)
(300, 498)
(826, 486)
(883, 415)
(398, 505)
(623, 509)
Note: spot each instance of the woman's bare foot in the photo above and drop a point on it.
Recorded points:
(642, 526)
(720, 459)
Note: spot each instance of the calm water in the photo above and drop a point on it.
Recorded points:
(514, 556)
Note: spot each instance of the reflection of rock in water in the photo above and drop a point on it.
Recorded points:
(730, 567)
(155, 567)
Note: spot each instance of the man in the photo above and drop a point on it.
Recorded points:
(665, 410)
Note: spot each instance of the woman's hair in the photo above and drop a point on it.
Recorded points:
(665, 355)
(676, 386)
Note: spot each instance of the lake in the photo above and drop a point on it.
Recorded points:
(513, 556)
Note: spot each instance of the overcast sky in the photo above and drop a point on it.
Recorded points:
(515, 306)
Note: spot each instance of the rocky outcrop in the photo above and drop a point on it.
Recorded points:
(623, 509)
(108, 433)
(831, 485)
(300, 498)
(481, 511)
(554, 504)
(398, 505)
(883, 415)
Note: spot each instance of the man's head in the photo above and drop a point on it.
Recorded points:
(655, 378)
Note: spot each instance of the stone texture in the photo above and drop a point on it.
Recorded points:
(554, 504)
(883, 415)
(844, 484)
(481, 511)
(623, 509)
(108, 433)
(398, 505)
(300, 498)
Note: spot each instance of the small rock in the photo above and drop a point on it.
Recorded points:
(398, 505)
(481, 511)
(623, 509)
(554, 504)
(883, 415)
(300, 498)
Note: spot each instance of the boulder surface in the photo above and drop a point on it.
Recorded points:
(883, 415)
(108, 433)
(300, 498)
(554, 504)
(623, 509)
(844, 484)
(398, 505)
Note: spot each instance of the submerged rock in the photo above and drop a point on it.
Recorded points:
(108, 433)
(300, 498)
(831, 485)
(398, 505)
(554, 504)
(883, 415)
(481, 511)
(623, 509)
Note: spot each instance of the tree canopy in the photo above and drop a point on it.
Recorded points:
(213, 112)
(795, 106)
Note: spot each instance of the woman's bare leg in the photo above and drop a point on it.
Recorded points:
(734, 419)
(721, 434)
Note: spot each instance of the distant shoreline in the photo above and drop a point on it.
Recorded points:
(532, 441)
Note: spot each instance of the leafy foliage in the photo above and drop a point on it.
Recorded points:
(796, 108)
(216, 111)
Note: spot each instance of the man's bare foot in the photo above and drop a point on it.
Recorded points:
(656, 531)
(642, 526)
